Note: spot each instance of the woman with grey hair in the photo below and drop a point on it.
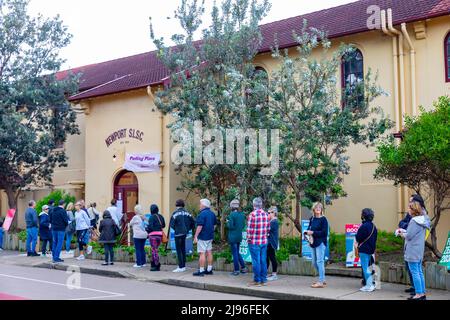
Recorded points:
(236, 224)
(139, 236)
(272, 246)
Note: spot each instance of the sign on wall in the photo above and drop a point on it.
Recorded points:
(142, 162)
(350, 233)
(123, 134)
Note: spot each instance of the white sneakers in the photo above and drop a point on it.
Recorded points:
(136, 266)
(89, 250)
(272, 277)
(178, 270)
(81, 257)
(367, 288)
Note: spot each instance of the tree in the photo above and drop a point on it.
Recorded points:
(421, 160)
(214, 82)
(35, 117)
(317, 123)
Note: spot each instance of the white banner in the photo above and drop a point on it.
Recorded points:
(142, 162)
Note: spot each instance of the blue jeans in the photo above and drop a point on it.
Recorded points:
(139, 244)
(1, 237)
(365, 260)
(32, 236)
(318, 260)
(58, 239)
(69, 237)
(237, 258)
(418, 277)
(409, 274)
(259, 257)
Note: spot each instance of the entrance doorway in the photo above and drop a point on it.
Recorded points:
(126, 191)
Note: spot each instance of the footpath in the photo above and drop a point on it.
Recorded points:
(287, 287)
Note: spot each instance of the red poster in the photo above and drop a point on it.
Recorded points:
(9, 219)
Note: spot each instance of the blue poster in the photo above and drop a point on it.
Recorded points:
(189, 242)
(306, 248)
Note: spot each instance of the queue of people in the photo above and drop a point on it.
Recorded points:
(58, 223)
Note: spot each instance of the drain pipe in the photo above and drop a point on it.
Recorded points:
(412, 53)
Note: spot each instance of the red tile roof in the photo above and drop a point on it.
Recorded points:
(146, 69)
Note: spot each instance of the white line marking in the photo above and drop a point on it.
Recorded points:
(100, 297)
(61, 284)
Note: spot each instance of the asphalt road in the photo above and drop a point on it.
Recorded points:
(27, 283)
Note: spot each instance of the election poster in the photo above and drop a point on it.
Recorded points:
(9, 219)
(445, 260)
(243, 249)
(189, 242)
(350, 242)
(306, 248)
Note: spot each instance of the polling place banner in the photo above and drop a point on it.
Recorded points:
(350, 233)
(142, 162)
(306, 248)
(445, 260)
(9, 219)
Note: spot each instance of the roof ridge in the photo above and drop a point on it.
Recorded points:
(101, 85)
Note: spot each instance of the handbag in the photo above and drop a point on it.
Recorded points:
(307, 237)
(164, 238)
(360, 244)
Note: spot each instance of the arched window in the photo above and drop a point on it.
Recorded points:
(447, 57)
(262, 77)
(352, 70)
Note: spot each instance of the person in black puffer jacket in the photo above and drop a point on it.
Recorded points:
(366, 237)
(108, 233)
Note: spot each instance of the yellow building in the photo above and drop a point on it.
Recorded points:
(406, 41)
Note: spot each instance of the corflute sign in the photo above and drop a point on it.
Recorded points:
(123, 134)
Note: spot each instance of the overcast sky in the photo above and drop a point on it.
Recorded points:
(109, 29)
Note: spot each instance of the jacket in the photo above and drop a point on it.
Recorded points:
(236, 224)
(44, 226)
(369, 246)
(182, 222)
(82, 220)
(415, 238)
(403, 224)
(58, 219)
(31, 218)
(108, 229)
(154, 223)
(138, 230)
(71, 218)
(320, 228)
(274, 234)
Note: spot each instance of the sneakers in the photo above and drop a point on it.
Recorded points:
(137, 266)
(367, 288)
(89, 250)
(420, 298)
(105, 264)
(58, 261)
(235, 273)
(178, 270)
(244, 270)
(209, 273)
(272, 277)
(81, 257)
(199, 273)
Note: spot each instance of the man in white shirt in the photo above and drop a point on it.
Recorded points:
(115, 214)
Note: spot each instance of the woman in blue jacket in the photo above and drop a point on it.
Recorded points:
(366, 237)
(44, 230)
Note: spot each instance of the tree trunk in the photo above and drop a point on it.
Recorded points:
(433, 245)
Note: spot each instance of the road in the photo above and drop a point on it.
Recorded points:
(28, 283)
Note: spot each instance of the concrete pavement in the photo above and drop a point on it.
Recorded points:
(287, 287)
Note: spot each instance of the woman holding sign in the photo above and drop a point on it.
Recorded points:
(317, 233)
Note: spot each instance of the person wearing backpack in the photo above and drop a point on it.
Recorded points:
(366, 237)
(108, 233)
(155, 229)
(71, 227)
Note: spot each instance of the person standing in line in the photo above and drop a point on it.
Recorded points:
(51, 206)
(236, 225)
(31, 219)
(366, 237)
(318, 229)
(272, 246)
(139, 236)
(94, 214)
(108, 233)
(88, 235)
(258, 228)
(44, 230)
(116, 215)
(1, 234)
(415, 247)
(71, 227)
(204, 236)
(83, 223)
(181, 222)
(58, 222)
(155, 227)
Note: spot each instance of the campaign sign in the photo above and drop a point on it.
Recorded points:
(445, 260)
(9, 219)
(189, 242)
(306, 248)
(350, 242)
(243, 248)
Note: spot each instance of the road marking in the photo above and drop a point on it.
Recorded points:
(110, 294)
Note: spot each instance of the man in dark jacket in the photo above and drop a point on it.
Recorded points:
(366, 237)
(31, 219)
(181, 222)
(108, 233)
(58, 222)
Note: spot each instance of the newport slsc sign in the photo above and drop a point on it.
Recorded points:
(123, 134)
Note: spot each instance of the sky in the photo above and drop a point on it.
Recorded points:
(109, 29)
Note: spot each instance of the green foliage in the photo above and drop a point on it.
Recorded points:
(288, 246)
(388, 242)
(22, 235)
(337, 247)
(35, 117)
(56, 196)
(226, 253)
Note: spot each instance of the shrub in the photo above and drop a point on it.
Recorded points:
(22, 235)
(56, 196)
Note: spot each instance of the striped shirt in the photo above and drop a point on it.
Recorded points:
(258, 227)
